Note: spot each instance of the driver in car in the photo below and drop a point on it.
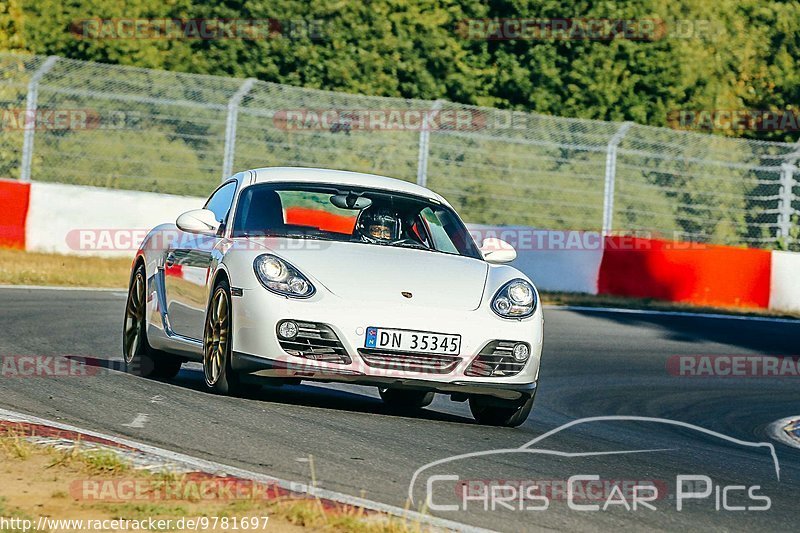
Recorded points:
(379, 226)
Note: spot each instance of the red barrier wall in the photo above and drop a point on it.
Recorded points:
(321, 219)
(14, 200)
(700, 274)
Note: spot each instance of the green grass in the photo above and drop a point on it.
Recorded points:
(18, 267)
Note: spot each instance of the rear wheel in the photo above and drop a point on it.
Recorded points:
(217, 337)
(140, 358)
(491, 411)
(403, 400)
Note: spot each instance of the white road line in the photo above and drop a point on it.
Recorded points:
(687, 314)
(214, 468)
(138, 422)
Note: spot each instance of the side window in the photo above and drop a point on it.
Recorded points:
(440, 237)
(221, 200)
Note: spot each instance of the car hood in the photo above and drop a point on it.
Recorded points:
(381, 274)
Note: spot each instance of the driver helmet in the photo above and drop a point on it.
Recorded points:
(380, 225)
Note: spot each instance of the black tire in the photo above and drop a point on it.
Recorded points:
(496, 412)
(403, 400)
(140, 358)
(218, 375)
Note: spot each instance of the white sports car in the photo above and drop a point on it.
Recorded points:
(290, 274)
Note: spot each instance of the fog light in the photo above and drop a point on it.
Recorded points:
(521, 352)
(287, 330)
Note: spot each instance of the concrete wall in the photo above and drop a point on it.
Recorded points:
(72, 219)
(785, 281)
(564, 261)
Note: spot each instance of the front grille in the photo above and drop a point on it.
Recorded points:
(317, 342)
(496, 360)
(406, 362)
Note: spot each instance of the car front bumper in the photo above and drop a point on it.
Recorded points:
(256, 347)
(260, 366)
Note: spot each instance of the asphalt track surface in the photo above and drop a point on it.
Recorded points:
(595, 364)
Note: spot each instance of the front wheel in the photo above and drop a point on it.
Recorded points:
(405, 400)
(496, 412)
(140, 358)
(217, 337)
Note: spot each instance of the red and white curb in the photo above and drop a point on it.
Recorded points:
(786, 430)
(146, 457)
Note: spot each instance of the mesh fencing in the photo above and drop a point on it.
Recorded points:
(132, 128)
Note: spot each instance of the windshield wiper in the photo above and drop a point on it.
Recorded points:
(286, 235)
(413, 246)
(316, 236)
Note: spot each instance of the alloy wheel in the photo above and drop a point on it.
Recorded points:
(134, 318)
(215, 345)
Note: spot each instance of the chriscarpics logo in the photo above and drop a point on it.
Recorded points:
(586, 466)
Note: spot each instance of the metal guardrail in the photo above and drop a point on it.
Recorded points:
(178, 133)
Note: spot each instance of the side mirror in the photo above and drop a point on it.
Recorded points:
(202, 221)
(497, 251)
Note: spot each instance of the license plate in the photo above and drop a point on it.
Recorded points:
(403, 340)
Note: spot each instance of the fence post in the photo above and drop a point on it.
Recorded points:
(424, 144)
(611, 172)
(29, 127)
(230, 126)
(785, 200)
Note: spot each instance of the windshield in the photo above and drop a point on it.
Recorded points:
(341, 213)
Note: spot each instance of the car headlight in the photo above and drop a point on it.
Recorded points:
(280, 277)
(515, 299)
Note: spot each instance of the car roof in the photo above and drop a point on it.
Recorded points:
(340, 177)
